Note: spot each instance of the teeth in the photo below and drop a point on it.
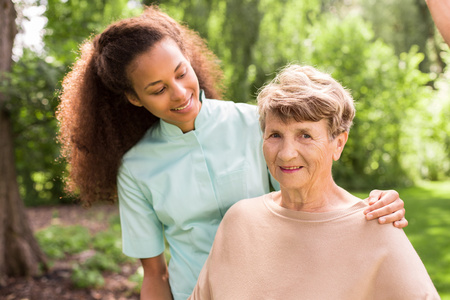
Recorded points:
(183, 107)
(291, 168)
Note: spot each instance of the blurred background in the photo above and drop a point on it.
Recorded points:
(389, 54)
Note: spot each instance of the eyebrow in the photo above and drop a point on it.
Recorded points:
(158, 81)
(304, 130)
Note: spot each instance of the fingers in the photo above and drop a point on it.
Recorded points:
(401, 224)
(386, 209)
(388, 213)
(374, 196)
(396, 216)
(383, 203)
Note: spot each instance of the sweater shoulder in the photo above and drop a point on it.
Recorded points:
(244, 209)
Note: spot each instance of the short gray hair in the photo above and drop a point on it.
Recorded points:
(303, 93)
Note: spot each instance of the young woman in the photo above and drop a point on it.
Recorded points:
(137, 122)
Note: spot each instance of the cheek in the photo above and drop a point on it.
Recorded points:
(325, 159)
(265, 152)
(192, 78)
(318, 153)
(154, 107)
(269, 155)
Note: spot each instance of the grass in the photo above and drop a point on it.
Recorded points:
(61, 242)
(428, 213)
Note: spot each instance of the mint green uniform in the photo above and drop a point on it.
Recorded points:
(180, 185)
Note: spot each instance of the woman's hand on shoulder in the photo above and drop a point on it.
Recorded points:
(387, 207)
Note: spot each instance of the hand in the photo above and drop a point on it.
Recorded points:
(387, 207)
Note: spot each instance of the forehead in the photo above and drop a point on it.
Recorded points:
(275, 123)
(161, 58)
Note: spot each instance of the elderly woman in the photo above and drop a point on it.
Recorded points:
(309, 240)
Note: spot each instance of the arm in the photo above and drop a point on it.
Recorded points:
(400, 273)
(155, 284)
(440, 11)
(387, 207)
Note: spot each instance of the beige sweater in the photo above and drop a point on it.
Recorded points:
(264, 251)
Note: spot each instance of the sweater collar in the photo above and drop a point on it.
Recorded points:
(308, 216)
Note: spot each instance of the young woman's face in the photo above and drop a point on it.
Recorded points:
(166, 85)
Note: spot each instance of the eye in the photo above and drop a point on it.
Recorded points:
(159, 92)
(183, 75)
(306, 136)
(275, 135)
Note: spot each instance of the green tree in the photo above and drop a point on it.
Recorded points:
(394, 140)
(404, 24)
(71, 22)
(34, 127)
(33, 89)
(20, 254)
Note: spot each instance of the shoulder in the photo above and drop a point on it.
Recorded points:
(145, 146)
(232, 109)
(148, 154)
(245, 208)
(231, 104)
(240, 220)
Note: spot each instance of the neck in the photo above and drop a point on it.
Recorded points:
(316, 198)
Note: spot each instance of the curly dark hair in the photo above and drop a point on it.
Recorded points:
(98, 125)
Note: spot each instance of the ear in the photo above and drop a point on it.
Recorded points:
(340, 142)
(133, 99)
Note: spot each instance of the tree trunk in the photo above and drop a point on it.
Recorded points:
(20, 254)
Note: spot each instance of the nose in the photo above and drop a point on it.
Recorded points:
(178, 92)
(287, 151)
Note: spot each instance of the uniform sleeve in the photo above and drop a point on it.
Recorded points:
(142, 232)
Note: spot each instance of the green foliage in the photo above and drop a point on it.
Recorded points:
(87, 278)
(137, 278)
(401, 129)
(32, 87)
(101, 262)
(58, 241)
(63, 242)
(30, 90)
(108, 243)
(401, 24)
(70, 22)
(284, 37)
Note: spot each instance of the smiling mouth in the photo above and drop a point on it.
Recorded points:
(290, 168)
(183, 107)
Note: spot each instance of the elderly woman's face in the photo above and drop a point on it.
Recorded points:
(300, 154)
